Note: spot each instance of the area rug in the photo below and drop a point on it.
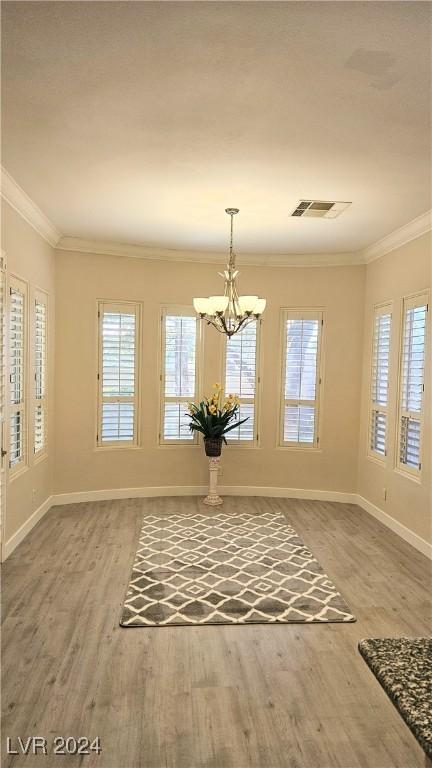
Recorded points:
(403, 666)
(227, 569)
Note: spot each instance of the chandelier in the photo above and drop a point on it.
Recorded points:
(230, 313)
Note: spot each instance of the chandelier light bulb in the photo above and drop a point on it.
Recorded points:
(211, 309)
(247, 303)
(201, 306)
(260, 306)
(219, 303)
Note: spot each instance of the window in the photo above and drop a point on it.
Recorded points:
(40, 362)
(411, 387)
(379, 381)
(301, 378)
(179, 377)
(119, 333)
(240, 377)
(3, 439)
(18, 375)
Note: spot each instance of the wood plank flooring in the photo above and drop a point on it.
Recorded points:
(261, 696)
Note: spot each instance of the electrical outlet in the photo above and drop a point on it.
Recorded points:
(34, 494)
(385, 494)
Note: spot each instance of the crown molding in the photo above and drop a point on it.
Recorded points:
(108, 248)
(24, 205)
(415, 228)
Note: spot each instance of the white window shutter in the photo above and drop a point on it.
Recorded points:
(118, 374)
(241, 378)
(409, 449)
(40, 361)
(3, 451)
(301, 377)
(410, 420)
(18, 374)
(380, 381)
(180, 356)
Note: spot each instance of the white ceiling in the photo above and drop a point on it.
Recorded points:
(139, 122)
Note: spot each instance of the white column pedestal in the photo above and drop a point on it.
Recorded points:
(213, 499)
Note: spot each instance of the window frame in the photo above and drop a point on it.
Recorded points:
(20, 285)
(301, 313)
(255, 442)
(118, 306)
(382, 308)
(183, 311)
(410, 301)
(41, 297)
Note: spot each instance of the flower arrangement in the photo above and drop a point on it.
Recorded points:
(213, 417)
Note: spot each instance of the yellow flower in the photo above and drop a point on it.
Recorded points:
(212, 409)
(217, 386)
(231, 402)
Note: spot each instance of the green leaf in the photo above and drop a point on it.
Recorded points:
(196, 428)
(234, 426)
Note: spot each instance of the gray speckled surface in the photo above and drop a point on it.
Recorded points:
(403, 666)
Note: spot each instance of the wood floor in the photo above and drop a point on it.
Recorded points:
(268, 696)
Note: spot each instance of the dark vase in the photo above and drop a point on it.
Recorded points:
(213, 446)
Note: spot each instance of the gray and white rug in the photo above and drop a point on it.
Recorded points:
(227, 569)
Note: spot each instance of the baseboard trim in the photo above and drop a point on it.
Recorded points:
(196, 490)
(108, 494)
(12, 543)
(405, 533)
(287, 493)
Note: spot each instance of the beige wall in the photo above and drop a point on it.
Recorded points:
(399, 273)
(347, 295)
(31, 258)
(81, 279)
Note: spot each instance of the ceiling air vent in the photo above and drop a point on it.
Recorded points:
(322, 209)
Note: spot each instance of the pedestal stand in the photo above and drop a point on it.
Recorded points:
(213, 499)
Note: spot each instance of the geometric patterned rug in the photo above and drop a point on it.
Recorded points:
(222, 568)
(403, 666)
